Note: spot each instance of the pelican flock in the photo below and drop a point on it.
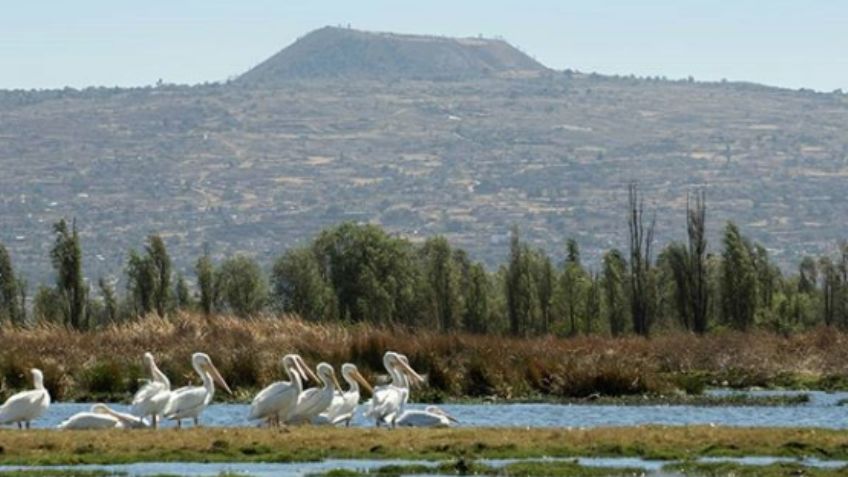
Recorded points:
(280, 403)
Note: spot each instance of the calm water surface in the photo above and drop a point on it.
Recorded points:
(821, 411)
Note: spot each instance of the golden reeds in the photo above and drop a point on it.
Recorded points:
(106, 362)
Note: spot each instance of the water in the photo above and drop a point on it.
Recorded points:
(301, 469)
(822, 411)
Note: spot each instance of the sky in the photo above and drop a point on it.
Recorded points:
(793, 44)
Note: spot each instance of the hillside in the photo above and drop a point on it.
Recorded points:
(256, 169)
(333, 52)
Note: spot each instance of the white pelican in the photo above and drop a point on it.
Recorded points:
(26, 406)
(279, 399)
(189, 401)
(102, 416)
(152, 398)
(344, 404)
(314, 401)
(388, 400)
(431, 416)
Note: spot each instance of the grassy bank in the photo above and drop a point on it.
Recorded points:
(307, 443)
(106, 363)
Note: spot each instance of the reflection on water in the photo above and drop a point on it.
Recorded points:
(820, 411)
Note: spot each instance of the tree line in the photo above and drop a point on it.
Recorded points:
(360, 273)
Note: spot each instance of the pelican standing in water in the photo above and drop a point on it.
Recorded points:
(102, 416)
(314, 401)
(431, 416)
(26, 406)
(152, 398)
(388, 400)
(278, 400)
(344, 404)
(189, 401)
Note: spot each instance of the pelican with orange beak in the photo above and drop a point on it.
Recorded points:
(314, 401)
(344, 403)
(388, 401)
(277, 400)
(189, 402)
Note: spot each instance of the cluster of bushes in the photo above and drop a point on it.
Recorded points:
(354, 273)
(106, 363)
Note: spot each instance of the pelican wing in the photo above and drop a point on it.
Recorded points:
(277, 398)
(150, 399)
(90, 420)
(336, 406)
(386, 403)
(418, 418)
(186, 402)
(24, 406)
(311, 402)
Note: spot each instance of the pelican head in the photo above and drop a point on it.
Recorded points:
(351, 375)
(203, 362)
(148, 359)
(399, 362)
(37, 378)
(327, 376)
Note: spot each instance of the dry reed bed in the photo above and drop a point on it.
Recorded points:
(106, 362)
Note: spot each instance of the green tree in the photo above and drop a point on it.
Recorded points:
(160, 269)
(477, 289)
(519, 287)
(141, 283)
(441, 280)
(298, 286)
(739, 280)
(675, 258)
(831, 289)
(66, 258)
(242, 287)
(372, 274)
(593, 301)
(613, 279)
(182, 295)
(110, 301)
(545, 278)
(205, 270)
(48, 306)
(697, 271)
(572, 286)
(10, 308)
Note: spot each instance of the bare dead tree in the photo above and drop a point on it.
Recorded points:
(697, 273)
(641, 240)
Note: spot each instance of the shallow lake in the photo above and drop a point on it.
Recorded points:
(821, 411)
(653, 468)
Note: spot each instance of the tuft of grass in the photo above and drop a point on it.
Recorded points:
(46, 447)
(732, 469)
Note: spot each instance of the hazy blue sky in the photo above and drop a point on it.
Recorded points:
(801, 43)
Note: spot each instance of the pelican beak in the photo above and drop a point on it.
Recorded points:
(216, 376)
(450, 417)
(336, 381)
(305, 371)
(361, 380)
(300, 369)
(414, 377)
